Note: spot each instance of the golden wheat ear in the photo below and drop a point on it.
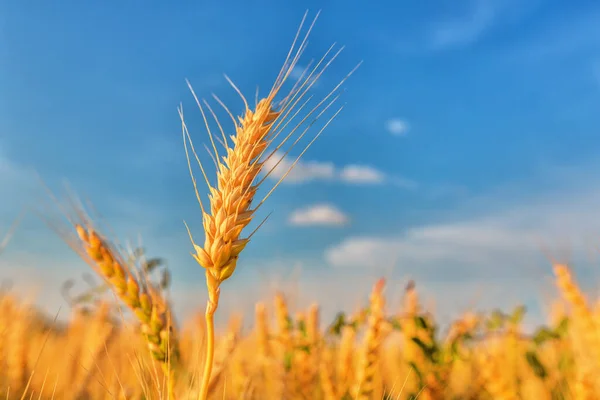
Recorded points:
(259, 135)
(230, 207)
(127, 279)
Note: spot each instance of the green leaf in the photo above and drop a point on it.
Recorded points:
(559, 393)
(289, 323)
(165, 280)
(429, 351)
(139, 252)
(338, 323)
(518, 314)
(495, 321)
(421, 322)
(455, 351)
(304, 348)
(347, 396)
(417, 371)
(388, 396)
(395, 323)
(301, 325)
(150, 265)
(542, 335)
(287, 360)
(563, 327)
(536, 365)
(565, 362)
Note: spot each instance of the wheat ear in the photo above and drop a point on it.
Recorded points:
(372, 344)
(141, 297)
(237, 172)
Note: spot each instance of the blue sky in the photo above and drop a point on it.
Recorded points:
(468, 142)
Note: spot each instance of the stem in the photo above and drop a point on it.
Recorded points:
(170, 381)
(211, 308)
(210, 351)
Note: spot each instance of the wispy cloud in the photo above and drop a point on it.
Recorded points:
(309, 171)
(362, 174)
(474, 244)
(297, 72)
(466, 29)
(469, 23)
(504, 240)
(397, 126)
(301, 72)
(319, 214)
(303, 171)
(567, 37)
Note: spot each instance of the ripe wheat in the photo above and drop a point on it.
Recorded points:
(231, 206)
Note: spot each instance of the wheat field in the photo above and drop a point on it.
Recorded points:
(123, 341)
(373, 353)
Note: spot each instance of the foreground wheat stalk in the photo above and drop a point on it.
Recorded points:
(237, 172)
(130, 285)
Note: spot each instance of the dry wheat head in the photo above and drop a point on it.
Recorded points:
(244, 155)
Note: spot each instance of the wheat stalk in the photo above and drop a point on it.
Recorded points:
(141, 297)
(345, 360)
(231, 199)
(326, 375)
(131, 286)
(368, 367)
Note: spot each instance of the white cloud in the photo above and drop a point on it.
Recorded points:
(397, 126)
(466, 29)
(507, 240)
(361, 174)
(477, 20)
(318, 214)
(300, 72)
(297, 72)
(303, 171)
(473, 244)
(308, 171)
(463, 25)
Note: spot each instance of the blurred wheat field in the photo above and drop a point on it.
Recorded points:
(375, 353)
